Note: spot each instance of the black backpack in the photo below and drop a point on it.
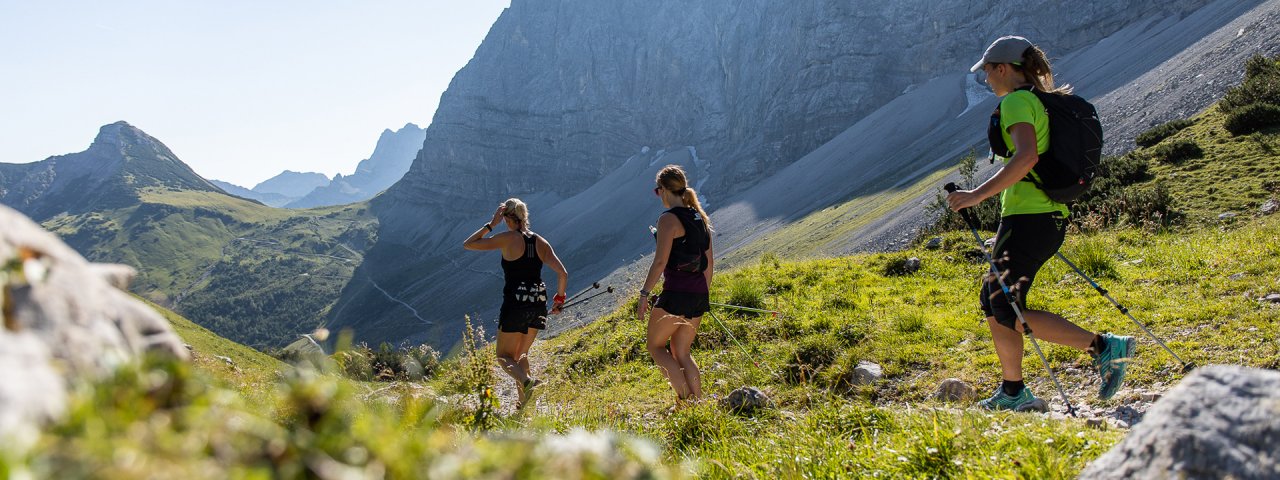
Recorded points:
(688, 253)
(1075, 145)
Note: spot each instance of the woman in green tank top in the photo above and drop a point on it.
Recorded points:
(1032, 227)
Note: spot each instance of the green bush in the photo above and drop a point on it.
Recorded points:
(1177, 151)
(1252, 118)
(1261, 85)
(745, 291)
(1161, 132)
(986, 213)
(1092, 257)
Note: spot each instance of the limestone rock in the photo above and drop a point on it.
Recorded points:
(867, 373)
(1269, 207)
(1220, 422)
(66, 322)
(117, 275)
(955, 390)
(746, 400)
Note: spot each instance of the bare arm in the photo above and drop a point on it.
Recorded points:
(711, 263)
(477, 241)
(1024, 158)
(548, 256)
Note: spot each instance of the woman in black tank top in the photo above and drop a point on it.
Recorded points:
(524, 295)
(684, 261)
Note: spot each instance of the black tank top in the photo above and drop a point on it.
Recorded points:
(688, 257)
(524, 287)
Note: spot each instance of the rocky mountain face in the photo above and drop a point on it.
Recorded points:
(121, 162)
(564, 96)
(390, 160)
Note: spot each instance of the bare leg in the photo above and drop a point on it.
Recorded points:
(508, 350)
(662, 326)
(525, 345)
(681, 349)
(1045, 326)
(1053, 328)
(1008, 348)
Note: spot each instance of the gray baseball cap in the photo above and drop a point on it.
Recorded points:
(1006, 49)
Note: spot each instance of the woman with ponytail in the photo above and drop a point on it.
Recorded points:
(684, 260)
(524, 297)
(1032, 226)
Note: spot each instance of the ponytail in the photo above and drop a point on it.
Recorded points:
(690, 198)
(1035, 67)
(673, 179)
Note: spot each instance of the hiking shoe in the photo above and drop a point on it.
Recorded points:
(1021, 402)
(1112, 362)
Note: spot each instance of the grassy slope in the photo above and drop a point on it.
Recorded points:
(256, 274)
(251, 373)
(924, 328)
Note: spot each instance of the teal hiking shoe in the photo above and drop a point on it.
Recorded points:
(1022, 402)
(1112, 363)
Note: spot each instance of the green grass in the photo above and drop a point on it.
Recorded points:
(922, 328)
(251, 373)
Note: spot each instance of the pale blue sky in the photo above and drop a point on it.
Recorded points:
(240, 90)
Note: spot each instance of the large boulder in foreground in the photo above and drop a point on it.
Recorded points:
(62, 319)
(1220, 422)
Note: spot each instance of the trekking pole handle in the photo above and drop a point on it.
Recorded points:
(951, 187)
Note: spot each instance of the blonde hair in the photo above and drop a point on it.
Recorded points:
(672, 179)
(1035, 67)
(518, 211)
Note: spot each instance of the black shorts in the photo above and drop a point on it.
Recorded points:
(1023, 244)
(684, 304)
(520, 320)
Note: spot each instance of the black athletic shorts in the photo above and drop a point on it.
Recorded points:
(684, 304)
(520, 320)
(1023, 244)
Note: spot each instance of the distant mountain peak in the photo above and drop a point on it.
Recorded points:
(121, 162)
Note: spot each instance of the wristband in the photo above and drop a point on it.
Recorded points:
(645, 293)
(558, 299)
(488, 227)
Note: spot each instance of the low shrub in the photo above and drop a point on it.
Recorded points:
(1261, 85)
(1253, 118)
(1177, 151)
(745, 291)
(1160, 132)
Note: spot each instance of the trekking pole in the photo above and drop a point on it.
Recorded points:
(1026, 328)
(567, 305)
(594, 285)
(745, 309)
(1186, 367)
(735, 339)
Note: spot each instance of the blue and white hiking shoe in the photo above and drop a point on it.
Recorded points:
(1112, 363)
(1022, 402)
